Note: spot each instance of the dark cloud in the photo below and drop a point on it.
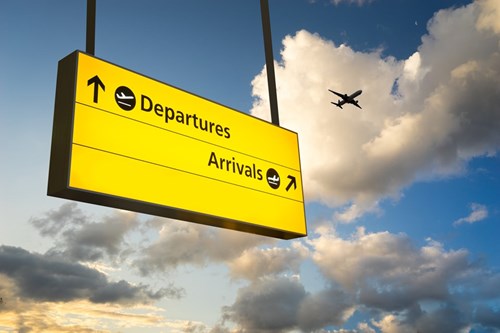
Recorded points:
(487, 317)
(326, 308)
(92, 241)
(281, 305)
(270, 305)
(447, 318)
(81, 238)
(46, 278)
(55, 221)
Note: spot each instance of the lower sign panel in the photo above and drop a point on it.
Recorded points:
(113, 145)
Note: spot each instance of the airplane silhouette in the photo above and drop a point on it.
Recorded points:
(347, 99)
(122, 97)
(273, 180)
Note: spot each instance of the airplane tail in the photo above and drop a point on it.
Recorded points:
(337, 104)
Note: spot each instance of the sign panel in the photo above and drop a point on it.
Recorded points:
(124, 140)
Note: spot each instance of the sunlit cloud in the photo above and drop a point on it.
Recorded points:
(49, 278)
(421, 117)
(255, 263)
(84, 316)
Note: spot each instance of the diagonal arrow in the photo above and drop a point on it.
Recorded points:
(96, 81)
(293, 182)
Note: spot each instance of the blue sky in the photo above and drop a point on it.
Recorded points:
(402, 197)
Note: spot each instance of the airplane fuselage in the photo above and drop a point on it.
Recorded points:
(354, 95)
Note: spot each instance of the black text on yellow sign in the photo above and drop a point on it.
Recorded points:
(124, 140)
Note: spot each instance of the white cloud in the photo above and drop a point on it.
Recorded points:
(412, 69)
(478, 213)
(355, 211)
(386, 269)
(444, 113)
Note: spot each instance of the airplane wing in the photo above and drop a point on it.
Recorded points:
(338, 94)
(356, 103)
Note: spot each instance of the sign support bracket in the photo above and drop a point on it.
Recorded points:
(268, 48)
(91, 13)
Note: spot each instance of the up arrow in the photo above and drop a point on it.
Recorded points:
(96, 81)
(293, 182)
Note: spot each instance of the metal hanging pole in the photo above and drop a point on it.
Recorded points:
(268, 47)
(91, 9)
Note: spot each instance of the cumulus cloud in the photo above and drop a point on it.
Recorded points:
(267, 305)
(423, 117)
(478, 213)
(45, 278)
(401, 286)
(386, 270)
(282, 304)
(387, 273)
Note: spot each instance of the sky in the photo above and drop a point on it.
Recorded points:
(402, 197)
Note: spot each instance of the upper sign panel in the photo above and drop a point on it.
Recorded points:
(124, 140)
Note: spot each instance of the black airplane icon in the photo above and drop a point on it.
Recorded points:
(347, 99)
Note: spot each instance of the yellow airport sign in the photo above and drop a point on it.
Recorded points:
(124, 140)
